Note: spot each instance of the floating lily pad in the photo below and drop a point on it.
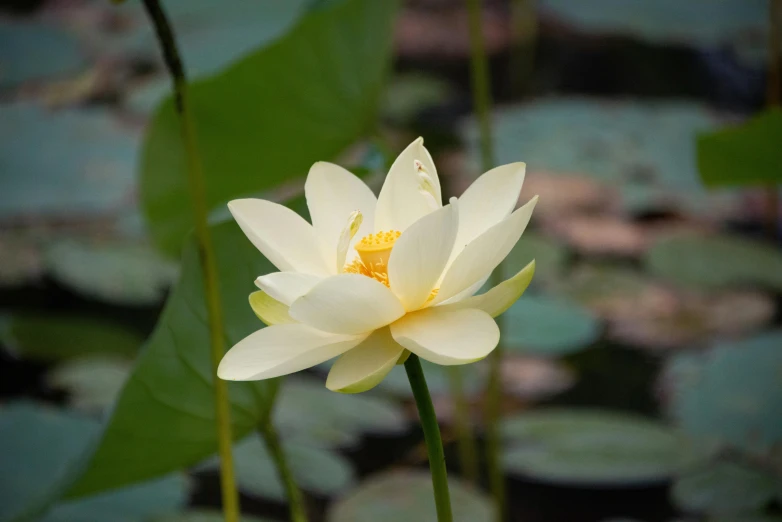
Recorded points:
(732, 396)
(316, 470)
(591, 448)
(725, 488)
(114, 272)
(93, 382)
(69, 162)
(550, 258)
(408, 496)
(709, 262)
(34, 51)
(544, 326)
(49, 338)
(308, 412)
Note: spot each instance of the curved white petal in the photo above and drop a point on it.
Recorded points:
(286, 287)
(281, 235)
(447, 337)
(269, 310)
(333, 193)
(364, 366)
(419, 256)
(490, 199)
(501, 297)
(484, 253)
(467, 292)
(280, 350)
(401, 202)
(347, 304)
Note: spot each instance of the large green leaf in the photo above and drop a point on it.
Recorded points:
(164, 418)
(270, 116)
(587, 447)
(407, 495)
(745, 155)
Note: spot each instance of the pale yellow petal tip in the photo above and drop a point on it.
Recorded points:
(356, 387)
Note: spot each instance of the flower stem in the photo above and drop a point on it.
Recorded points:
(468, 453)
(206, 253)
(295, 499)
(434, 443)
(773, 93)
(481, 89)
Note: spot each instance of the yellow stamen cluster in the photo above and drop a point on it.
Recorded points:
(373, 253)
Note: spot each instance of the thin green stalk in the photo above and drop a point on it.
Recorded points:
(773, 88)
(524, 26)
(434, 443)
(481, 89)
(295, 499)
(468, 452)
(206, 253)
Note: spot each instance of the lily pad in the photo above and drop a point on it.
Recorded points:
(92, 383)
(114, 272)
(49, 338)
(725, 488)
(732, 395)
(591, 448)
(550, 258)
(709, 262)
(537, 325)
(306, 411)
(408, 496)
(315, 469)
(68, 162)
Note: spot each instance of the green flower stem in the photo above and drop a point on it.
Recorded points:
(773, 88)
(468, 453)
(481, 89)
(295, 499)
(206, 253)
(434, 443)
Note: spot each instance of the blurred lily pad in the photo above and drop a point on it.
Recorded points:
(34, 51)
(408, 496)
(49, 338)
(731, 396)
(316, 470)
(591, 448)
(537, 325)
(115, 272)
(709, 262)
(725, 488)
(550, 258)
(260, 125)
(93, 382)
(69, 162)
(307, 412)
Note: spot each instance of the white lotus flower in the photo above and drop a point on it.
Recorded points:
(373, 279)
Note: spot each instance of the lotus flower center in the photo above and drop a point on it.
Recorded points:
(373, 253)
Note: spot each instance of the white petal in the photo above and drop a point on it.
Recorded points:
(286, 287)
(281, 235)
(333, 194)
(501, 297)
(420, 254)
(347, 304)
(490, 199)
(467, 292)
(447, 337)
(280, 350)
(269, 310)
(400, 203)
(364, 366)
(484, 253)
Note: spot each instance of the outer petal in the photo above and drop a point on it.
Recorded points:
(286, 287)
(281, 235)
(332, 194)
(490, 199)
(400, 203)
(280, 350)
(483, 254)
(419, 256)
(364, 366)
(347, 304)
(446, 336)
(269, 310)
(501, 297)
